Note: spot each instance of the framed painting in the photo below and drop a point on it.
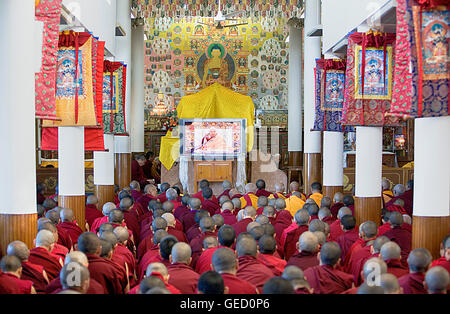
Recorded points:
(109, 106)
(377, 78)
(332, 90)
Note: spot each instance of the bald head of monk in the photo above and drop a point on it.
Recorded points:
(385, 184)
(390, 284)
(134, 185)
(49, 204)
(18, 249)
(45, 239)
(11, 264)
(195, 203)
(370, 289)
(262, 219)
(246, 246)
(279, 187)
(227, 205)
(53, 216)
(253, 224)
(171, 194)
(249, 212)
(344, 211)
(269, 211)
(348, 200)
(181, 253)
(317, 225)
(280, 204)
(372, 268)
(302, 217)
(126, 203)
(262, 201)
(122, 235)
(236, 203)
(308, 242)
(107, 207)
(159, 268)
(324, 212)
(66, 214)
(224, 261)
(76, 257)
(399, 202)
(316, 187)
(250, 188)
(313, 209)
(399, 189)
(330, 254)
(321, 237)
(159, 223)
(294, 186)
(151, 190)
(296, 277)
(149, 283)
(368, 230)
(210, 242)
(111, 238)
(419, 260)
(396, 219)
(170, 219)
(267, 244)
(116, 216)
(378, 243)
(207, 224)
(158, 235)
(390, 250)
(82, 274)
(106, 249)
(325, 202)
(226, 235)
(91, 200)
(437, 280)
(105, 227)
(89, 243)
(278, 285)
(124, 193)
(257, 232)
(47, 225)
(338, 197)
(223, 199)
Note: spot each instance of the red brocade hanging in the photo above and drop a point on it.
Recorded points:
(422, 73)
(114, 88)
(368, 87)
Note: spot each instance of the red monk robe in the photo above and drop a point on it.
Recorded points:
(303, 260)
(346, 241)
(442, 262)
(124, 253)
(253, 271)
(183, 277)
(169, 287)
(199, 195)
(34, 273)
(275, 264)
(241, 226)
(226, 193)
(238, 286)
(72, 229)
(328, 280)
(403, 238)
(188, 220)
(144, 200)
(396, 268)
(335, 230)
(263, 192)
(137, 173)
(59, 252)
(180, 211)
(282, 221)
(106, 273)
(41, 256)
(180, 235)
(135, 194)
(55, 286)
(11, 284)
(335, 208)
(289, 245)
(205, 260)
(211, 206)
(228, 217)
(97, 223)
(193, 232)
(64, 237)
(147, 260)
(413, 283)
(162, 197)
(132, 223)
(356, 262)
(92, 213)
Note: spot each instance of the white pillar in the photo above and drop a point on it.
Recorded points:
(137, 90)
(121, 144)
(104, 163)
(431, 167)
(312, 139)
(368, 172)
(17, 109)
(71, 175)
(295, 90)
(333, 147)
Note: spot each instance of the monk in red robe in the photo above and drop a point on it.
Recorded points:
(283, 218)
(207, 227)
(390, 253)
(227, 213)
(250, 268)
(297, 279)
(194, 230)
(135, 190)
(267, 248)
(63, 236)
(399, 235)
(30, 271)
(92, 211)
(10, 282)
(130, 217)
(338, 199)
(201, 185)
(227, 186)
(122, 250)
(150, 193)
(261, 186)
(208, 203)
(250, 198)
(419, 260)
(188, 220)
(326, 278)
(349, 237)
(159, 270)
(306, 256)
(225, 263)
(182, 276)
(137, 171)
(104, 271)
(164, 242)
(41, 255)
(107, 208)
(290, 236)
(335, 228)
(180, 235)
(183, 209)
(249, 215)
(69, 224)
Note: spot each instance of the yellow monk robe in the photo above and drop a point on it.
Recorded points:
(294, 203)
(317, 197)
(253, 200)
(387, 195)
(277, 195)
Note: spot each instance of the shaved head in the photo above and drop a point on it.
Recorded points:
(419, 260)
(66, 214)
(262, 201)
(257, 232)
(210, 242)
(278, 285)
(269, 211)
(88, 243)
(105, 227)
(308, 242)
(252, 225)
(126, 203)
(279, 187)
(374, 264)
(343, 212)
(295, 276)
(226, 235)
(262, 220)
(159, 223)
(91, 200)
(134, 185)
(170, 219)
(317, 225)
(236, 203)
(10, 264)
(321, 237)
(313, 209)
(107, 207)
(396, 219)
(325, 202)
(181, 253)
(157, 268)
(250, 188)
(44, 238)
(223, 199)
(195, 203)
(294, 186)
(370, 289)
(149, 283)
(77, 257)
(159, 235)
(267, 244)
(207, 224)
(399, 189)
(280, 204)
(226, 184)
(121, 234)
(330, 253)
(53, 216)
(260, 184)
(378, 243)
(250, 212)
(246, 246)
(437, 279)
(116, 216)
(227, 205)
(19, 249)
(49, 204)
(324, 212)
(302, 217)
(385, 184)
(338, 197)
(390, 284)
(390, 250)
(369, 229)
(224, 260)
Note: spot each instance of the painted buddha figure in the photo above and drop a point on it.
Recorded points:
(215, 69)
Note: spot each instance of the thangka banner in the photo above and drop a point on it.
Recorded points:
(93, 136)
(422, 71)
(113, 101)
(330, 85)
(368, 87)
(74, 88)
(49, 13)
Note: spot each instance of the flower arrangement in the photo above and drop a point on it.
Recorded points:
(170, 120)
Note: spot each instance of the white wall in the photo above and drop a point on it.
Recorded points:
(98, 16)
(339, 17)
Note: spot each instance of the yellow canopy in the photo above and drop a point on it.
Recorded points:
(213, 102)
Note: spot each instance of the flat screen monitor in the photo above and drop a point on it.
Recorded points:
(217, 139)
